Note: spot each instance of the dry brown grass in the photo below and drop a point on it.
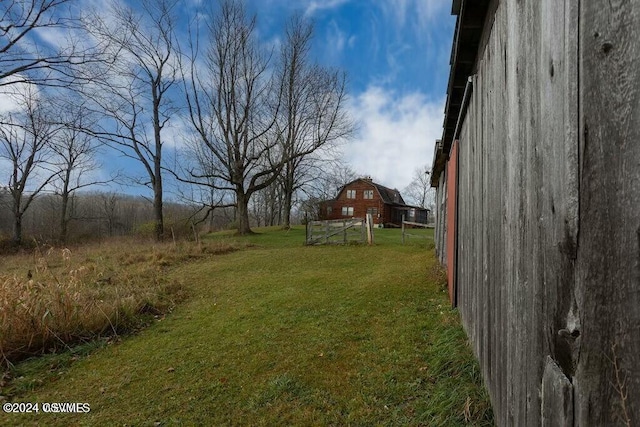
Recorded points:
(54, 297)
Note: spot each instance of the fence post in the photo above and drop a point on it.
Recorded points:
(306, 231)
(403, 229)
(344, 233)
(369, 224)
(326, 234)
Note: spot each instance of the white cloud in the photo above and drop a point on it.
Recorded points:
(54, 37)
(8, 101)
(419, 14)
(15, 94)
(397, 134)
(319, 5)
(336, 38)
(177, 132)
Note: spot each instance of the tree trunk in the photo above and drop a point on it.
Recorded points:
(288, 183)
(157, 208)
(63, 218)
(17, 230)
(286, 210)
(157, 163)
(17, 219)
(242, 212)
(64, 206)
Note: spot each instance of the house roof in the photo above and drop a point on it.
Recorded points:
(464, 51)
(389, 196)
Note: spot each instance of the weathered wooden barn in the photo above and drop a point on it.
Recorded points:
(538, 205)
(363, 196)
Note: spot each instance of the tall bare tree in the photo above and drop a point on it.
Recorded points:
(419, 191)
(24, 55)
(313, 117)
(231, 107)
(26, 133)
(76, 152)
(135, 95)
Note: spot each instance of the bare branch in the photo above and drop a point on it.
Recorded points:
(25, 142)
(27, 57)
(134, 93)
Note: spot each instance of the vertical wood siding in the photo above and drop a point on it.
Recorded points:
(441, 220)
(549, 213)
(608, 262)
(451, 219)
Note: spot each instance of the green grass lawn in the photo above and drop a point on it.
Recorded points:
(281, 334)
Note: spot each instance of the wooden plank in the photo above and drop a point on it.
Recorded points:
(557, 397)
(608, 255)
(558, 76)
(417, 224)
(451, 220)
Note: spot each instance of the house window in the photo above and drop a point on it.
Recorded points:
(373, 212)
(351, 194)
(329, 210)
(347, 211)
(368, 194)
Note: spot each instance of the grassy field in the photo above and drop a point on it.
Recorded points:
(276, 333)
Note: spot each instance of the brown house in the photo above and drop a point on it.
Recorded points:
(363, 196)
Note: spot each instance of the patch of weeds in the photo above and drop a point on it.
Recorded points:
(32, 373)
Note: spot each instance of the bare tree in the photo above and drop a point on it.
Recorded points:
(231, 107)
(25, 142)
(313, 116)
(198, 167)
(266, 205)
(76, 151)
(135, 95)
(24, 55)
(419, 191)
(334, 176)
(109, 206)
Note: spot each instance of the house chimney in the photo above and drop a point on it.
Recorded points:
(368, 178)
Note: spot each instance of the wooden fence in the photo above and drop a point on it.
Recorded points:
(406, 234)
(340, 231)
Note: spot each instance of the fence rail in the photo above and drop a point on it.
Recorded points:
(341, 231)
(406, 235)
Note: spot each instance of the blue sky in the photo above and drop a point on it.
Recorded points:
(396, 55)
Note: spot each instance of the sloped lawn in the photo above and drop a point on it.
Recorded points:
(280, 334)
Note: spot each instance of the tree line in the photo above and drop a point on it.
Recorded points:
(259, 126)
